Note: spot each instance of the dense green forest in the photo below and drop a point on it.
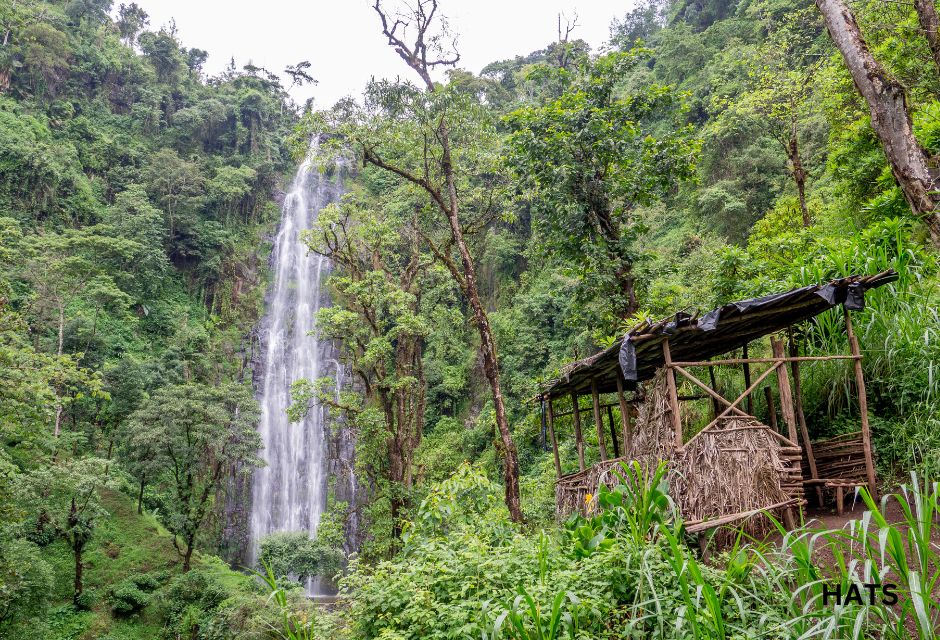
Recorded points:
(495, 227)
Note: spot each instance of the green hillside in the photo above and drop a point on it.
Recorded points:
(496, 226)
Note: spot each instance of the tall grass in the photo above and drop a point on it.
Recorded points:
(760, 589)
(900, 329)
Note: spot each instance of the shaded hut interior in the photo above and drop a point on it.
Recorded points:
(642, 399)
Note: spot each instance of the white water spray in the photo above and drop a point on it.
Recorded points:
(289, 494)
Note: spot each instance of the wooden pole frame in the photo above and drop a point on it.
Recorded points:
(744, 394)
(578, 437)
(862, 405)
(551, 433)
(771, 408)
(786, 394)
(747, 378)
(673, 394)
(598, 420)
(801, 415)
(625, 418)
(613, 430)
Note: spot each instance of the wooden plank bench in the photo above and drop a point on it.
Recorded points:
(838, 485)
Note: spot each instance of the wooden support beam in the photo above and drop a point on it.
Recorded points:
(862, 405)
(578, 438)
(613, 430)
(716, 406)
(745, 394)
(568, 413)
(746, 361)
(801, 416)
(747, 379)
(694, 526)
(715, 396)
(786, 395)
(625, 418)
(551, 433)
(598, 421)
(771, 408)
(673, 395)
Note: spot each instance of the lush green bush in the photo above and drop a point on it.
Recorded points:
(297, 555)
(25, 581)
(128, 598)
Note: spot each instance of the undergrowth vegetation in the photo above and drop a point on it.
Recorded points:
(629, 572)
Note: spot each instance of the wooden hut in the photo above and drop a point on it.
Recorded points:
(737, 465)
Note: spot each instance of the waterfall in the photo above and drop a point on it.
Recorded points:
(290, 492)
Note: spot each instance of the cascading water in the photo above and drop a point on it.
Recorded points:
(290, 492)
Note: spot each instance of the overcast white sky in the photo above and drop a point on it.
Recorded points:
(342, 40)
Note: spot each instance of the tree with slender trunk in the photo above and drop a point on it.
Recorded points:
(930, 25)
(436, 170)
(66, 496)
(380, 273)
(197, 435)
(890, 117)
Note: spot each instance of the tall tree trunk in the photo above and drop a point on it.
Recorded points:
(78, 544)
(487, 341)
(77, 585)
(889, 115)
(930, 25)
(798, 172)
(58, 406)
(188, 556)
(140, 495)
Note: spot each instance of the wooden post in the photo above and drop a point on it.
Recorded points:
(801, 416)
(862, 405)
(716, 406)
(551, 433)
(598, 421)
(578, 439)
(613, 430)
(771, 409)
(786, 396)
(625, 418)
(673, 395)
(747, 381)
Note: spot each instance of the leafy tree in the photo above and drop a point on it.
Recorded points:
(380, 322)
(66, 498)
(588, 158)
(198, 433)
(230, 186)
(435, 139)
(178, 186)
(163, 51)
(94, 12)
(299, 75)
(45, 57)
(133, 218)
(775, 102)
(69, 266)
(132, 19)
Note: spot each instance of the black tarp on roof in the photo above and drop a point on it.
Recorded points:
(691, 338)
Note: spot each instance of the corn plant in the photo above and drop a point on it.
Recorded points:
(867, 551)
(525, 620)
(291, 626)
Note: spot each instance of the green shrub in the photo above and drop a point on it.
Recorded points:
(87, 600)
(144, 581)
(126, 598)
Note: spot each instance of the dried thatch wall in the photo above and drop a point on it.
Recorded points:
(736, 466)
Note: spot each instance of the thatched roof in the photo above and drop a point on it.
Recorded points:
(638, 355)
